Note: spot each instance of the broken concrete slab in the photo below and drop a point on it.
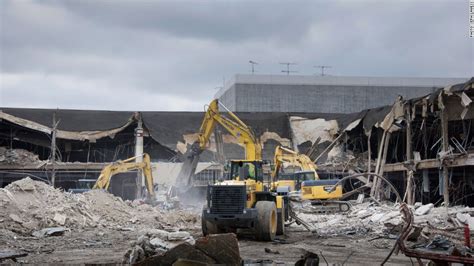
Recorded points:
(376, 217)
(184, 251)
(160, 243)
(224, 248)
(51, 231)
(220, 249)
(425, 209)
(180, 235)
(389, 216)
(462, 217)
(152, 232)
(470, 223)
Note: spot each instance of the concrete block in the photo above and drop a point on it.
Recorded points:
(184, 251)
(224, 248)
(181, 235)
(425, 209)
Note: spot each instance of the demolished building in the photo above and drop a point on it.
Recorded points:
(434, 165)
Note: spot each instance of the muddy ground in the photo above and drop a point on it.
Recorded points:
(108, 246)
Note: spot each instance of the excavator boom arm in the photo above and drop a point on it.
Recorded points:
(284, 155)
(103, 182)
(235, 126)
(229, 121)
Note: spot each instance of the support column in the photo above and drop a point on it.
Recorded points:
(381, 144)
(445, 137)
(53, 151)
(409, 152)
(381, 169)
(138, 154)
(369, 155)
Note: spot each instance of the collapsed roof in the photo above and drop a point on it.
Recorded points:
(172, 128)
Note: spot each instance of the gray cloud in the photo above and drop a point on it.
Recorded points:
(170, 55)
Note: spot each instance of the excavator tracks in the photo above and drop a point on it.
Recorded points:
(329, 206)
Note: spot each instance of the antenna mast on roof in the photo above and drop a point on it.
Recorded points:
(322, 69)
(253, 63)
(288, 71)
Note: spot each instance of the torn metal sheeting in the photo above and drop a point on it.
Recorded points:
(92, 125)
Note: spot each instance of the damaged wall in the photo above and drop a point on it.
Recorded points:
(432, 166)
(429, 143)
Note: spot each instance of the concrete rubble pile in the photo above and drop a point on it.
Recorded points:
(18, 157)
(369, 218)
(340, 159)
(30, 206)
(158, 247)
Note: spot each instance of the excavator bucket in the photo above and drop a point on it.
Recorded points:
(188, 169)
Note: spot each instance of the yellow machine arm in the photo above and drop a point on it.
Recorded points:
(235, 126)
(285, 155)
(127, 165)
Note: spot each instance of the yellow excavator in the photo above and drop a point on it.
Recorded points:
(291, 181)
(306, 181)
(103, 182)
(242, 201)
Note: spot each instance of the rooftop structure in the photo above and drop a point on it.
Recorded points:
(322, 94)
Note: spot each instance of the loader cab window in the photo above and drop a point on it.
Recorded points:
(247, 170)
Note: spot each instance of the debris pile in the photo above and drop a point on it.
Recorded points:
(158, 247)
(370, 218)
(345, 160)
(29, 206)
(18, 157)
(444, 245)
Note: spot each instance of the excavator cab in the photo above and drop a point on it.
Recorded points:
(243, 170)
(297, 178)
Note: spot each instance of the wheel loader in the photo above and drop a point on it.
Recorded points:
(242, 201)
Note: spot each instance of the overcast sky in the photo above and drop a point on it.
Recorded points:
(171, 55)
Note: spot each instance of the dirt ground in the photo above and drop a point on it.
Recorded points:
(340, 250)
(101, 228)
(108, 246)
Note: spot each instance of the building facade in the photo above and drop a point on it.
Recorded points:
(322, 94)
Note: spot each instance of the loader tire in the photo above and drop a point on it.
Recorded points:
(267, 220)
(281, 222)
